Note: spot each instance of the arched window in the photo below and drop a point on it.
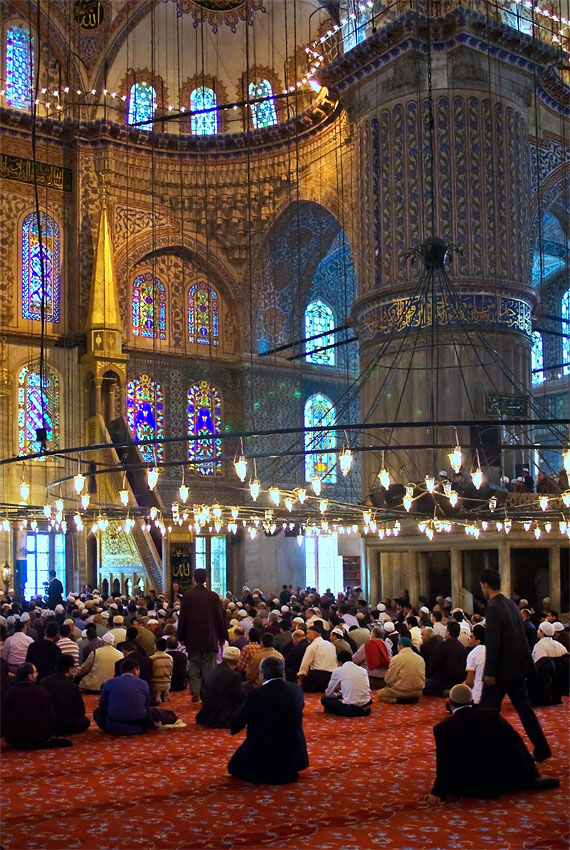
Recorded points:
(319, 319)
(19, 67)
(38, 407)
(517, 17)
(205, 123)
(204, 420)
(149, 307)
(565, 312)
(32, 287)
(142, 103)
(356, 23)
(145, 415)
(537, 358)
(203, 314)
(319, 459)
(263, 114)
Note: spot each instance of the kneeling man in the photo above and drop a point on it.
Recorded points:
(348, 692)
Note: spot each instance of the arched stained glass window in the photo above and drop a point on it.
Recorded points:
(263, 114)
(319, 459)
(149, 307)
(565, 312)
(537, 358)
(145, 415)
(204, 420)
(19, 67)
(206, 123)
(203, 314)
(356, 23)
(142, 103)
(517, 17)
(32, 268)
(319, 319)
(38, 407)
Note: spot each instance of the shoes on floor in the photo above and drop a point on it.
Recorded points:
(543, 783)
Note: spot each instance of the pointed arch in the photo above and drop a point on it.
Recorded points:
(319, 458)
(205, 123)
(142, 104)
(145, 415)
(319, 319)
(203, 314)
(33, 288)
(264, 113)
(204, 409)
(19, 67)
(148, 307)
(38, 407)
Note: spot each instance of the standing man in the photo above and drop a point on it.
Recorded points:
(54, 591)
(508, 661)
(201, 628)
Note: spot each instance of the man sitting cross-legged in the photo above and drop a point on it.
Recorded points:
(348, 692)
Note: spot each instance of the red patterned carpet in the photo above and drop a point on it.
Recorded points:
(170, 789)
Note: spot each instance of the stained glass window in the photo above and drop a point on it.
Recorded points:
(319, 319)
(19, 67)
(38, 407)
(356, 20)
(145, 415)
(319, 459)
(142, 103)
(263, 114)
(537, 358)
(32, 268)
(517, 17)
(204, 420)
(149, 307)
(203, 314)
(566, 332)
(206, 123)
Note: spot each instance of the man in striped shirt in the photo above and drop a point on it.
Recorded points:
(67, 645)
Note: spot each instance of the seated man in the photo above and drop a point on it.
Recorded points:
(44, 653)
(179, 681)
(447, 666)
(267, 651)
(28, 717)
(318, 663)
(546, 647)
(66, 699)
(125, 701)
(374, 657)
(274, 749)
(223, 692)
(129, 648)
(460, 739)
(348, 692)
(406, 675)
(295, 655)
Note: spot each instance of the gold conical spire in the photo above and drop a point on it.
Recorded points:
(104, 311)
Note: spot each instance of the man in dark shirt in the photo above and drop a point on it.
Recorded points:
(447, 663)
(66, 699)
(124, 703)
(508, 661)
(44, 653)
(29, 718)
(179, 678)
(529, 628)
(54, 591)
(145, 664)
(295, 655)
(223, 693)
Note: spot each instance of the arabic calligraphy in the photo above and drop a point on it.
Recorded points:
(50, 176)
(509, 406)
(89, 14)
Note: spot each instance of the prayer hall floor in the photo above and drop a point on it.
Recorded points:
(170, 789)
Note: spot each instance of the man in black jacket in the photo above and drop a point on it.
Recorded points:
(447, 666)
(29, 718)
(201, 628)
(66, 699)
(43, 654)
(275, 748)
(508, 661)
(223, 693)
(460, 739)
(54, 591)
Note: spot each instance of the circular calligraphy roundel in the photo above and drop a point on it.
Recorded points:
(89, 14)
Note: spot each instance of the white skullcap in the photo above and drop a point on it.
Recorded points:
(424, 609)
(108, 637)
(25, 617)
(242, 612)
(284, 609)
(381, 607)
(59, 609)
(231, 653)
(388, 626)
(547, 628)
(558, 627)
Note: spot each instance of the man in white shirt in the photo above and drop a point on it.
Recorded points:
(16, 646)
(318, 663)
(437, 623)
(348, 691)
(546, 647)
(475, 663)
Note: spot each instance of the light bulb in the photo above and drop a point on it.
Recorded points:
(454, 498)
(323, 505)
(455, 458)
(24, 490)
(499, 525)
(367, 516)
(79, 482)
(562, 526)
(543, 502)
(537, 532)
(240, 466)
(124, 497)
(6, 525)
(345, 460)
(47, 511)
(252, 532)
(381, 533)
(152, 477)
(526, 526)
(301, 495)
(316, 484)
(430, 483)
(289, 503)
(508, 525)
(274, 495)
(477, 478)
(548, 527)
(85, 501)
(34, 524)
(78, 522)
(153, 512)
(447, 488)
(216, 511)
(254, 489)
(235, 513)
(59, 506)
(429, 533)
(184, 492)
(384, 477)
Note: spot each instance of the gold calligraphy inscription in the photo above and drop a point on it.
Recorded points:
(89, 14)
(21, 169)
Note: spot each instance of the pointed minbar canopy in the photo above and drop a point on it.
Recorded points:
(104, 311)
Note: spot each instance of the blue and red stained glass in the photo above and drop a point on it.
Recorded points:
(204, 420)
(32, 285)
(149, 307)
(203, 314)
(263, 114)
(19, 67)
(142, 104)
(319, 459)
(145, 415)
(38, 407)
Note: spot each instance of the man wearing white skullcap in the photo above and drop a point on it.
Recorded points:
(546, 647)
(223, 692)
